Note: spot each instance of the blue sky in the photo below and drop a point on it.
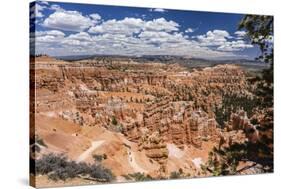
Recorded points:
(62, 29)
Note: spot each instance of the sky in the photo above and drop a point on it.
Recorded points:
(70, 29)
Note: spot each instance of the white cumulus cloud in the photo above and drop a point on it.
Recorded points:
(214, 38)
(161, 37)
(223, 41)
(127, 26)
(95, 16)
(51, 36)
(68, 21)
(189, 30)
(90, 34)
(240, 34)
(161, 24)
(234, 46)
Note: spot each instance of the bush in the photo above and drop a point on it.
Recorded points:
(40, 141)
(99, 172)
(114, 121)
(99, 157)
(57, 167)
(49, 163)
(138, 177)
(175, 175)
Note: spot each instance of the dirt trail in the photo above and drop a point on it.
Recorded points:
(133, 163)
(131, 157)
(87, 153)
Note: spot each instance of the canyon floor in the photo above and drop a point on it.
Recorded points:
(142, 121)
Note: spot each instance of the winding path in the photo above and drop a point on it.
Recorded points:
(131, 158)
(87, 153)
(133, 163)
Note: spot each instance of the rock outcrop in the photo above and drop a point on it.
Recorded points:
(151, 105)
(240, 121)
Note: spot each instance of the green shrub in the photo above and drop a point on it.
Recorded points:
(57, 167)
(175, 175)
(98, 171)
(138, 177)
(114, 121)
(99, 157)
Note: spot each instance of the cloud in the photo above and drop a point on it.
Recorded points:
(90, 34)
(240, 34)
(68, 21)
(55, 42)
(189, 30)
(81, 39)
(95, 16)
(214, 38)
(130, 26)
(50, 32)
(221, 40)
(160, 37)
(234, 46)
(51, 36)
(157, 10)
(127, 26)
(161, 24)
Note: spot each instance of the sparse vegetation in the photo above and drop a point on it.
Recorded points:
(231, 104)
(99, 157)
(114, 121)
(115, 125)
(224, 161)
(57, 167)
(138, 177)
(177, 174)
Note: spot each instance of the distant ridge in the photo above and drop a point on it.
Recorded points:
(168, 59)
(163, 58)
